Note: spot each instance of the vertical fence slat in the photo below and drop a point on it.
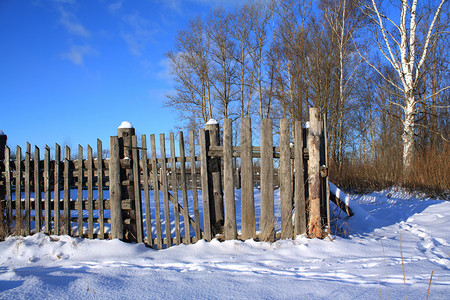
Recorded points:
(187, 233)
(198, 234)
(314, 220)
(247, 197)
(145, 180)
(66, 222)
(327, 186)
(115, 189)
(8, 190)
(205, 187)
(47, 208)
(165, 189)
(230, 207)
(37, 191)
(101, 208)
(57, 188)
(173, 168)
(80, 191)
(137, 190)
(90, 182)
(285, 179)
(267, 221)
(27, 190)
(159, 241)
(299, 184)
(18, 200)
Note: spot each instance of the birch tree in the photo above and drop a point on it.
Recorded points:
(398, 42)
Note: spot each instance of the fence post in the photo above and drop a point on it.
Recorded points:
(314, 221)
(3, 139)
(215, 178)
(125, 132)
(115, 189)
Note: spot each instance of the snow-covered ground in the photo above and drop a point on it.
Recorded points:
(395, 241)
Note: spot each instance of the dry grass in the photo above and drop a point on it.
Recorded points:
(430, 174)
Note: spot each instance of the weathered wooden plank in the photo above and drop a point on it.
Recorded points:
(115, 189)
(159, 241)
(8, 191)
(145, 180)
(47, 208)
(299, 182)
(314, 221)
(101, 210)
(80, 190)
(205, 188)
(57, 189)
(18, 200)
(267, 221)
(285, 179)
(215, 179)
(137, 191)
(27, 190)
(247, 197)
(187, 233)
(165, 188)
(230, 229)
(90, 200)
(198, 235)
(173, 167)
(327, 186)
(67, 218)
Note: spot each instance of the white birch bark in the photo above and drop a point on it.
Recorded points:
(408, 64)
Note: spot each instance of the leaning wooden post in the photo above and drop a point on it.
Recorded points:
(125, 132)
(314, 221)
(215, 178)
(115, 189)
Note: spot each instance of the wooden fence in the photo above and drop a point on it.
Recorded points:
(121, 196)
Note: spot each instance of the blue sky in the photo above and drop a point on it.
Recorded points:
(72, 70)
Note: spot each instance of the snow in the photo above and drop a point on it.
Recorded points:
(367, 264)
(212, 122)
(125, 124)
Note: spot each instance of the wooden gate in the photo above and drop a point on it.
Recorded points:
(149, 194)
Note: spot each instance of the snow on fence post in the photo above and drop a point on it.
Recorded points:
(125, 132)
(314, 221)
(115, 189)
(215, 178)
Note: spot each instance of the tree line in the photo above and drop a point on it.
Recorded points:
(378, 70)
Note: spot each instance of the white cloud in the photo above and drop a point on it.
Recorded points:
(137, 33)
(68, 18)
(76, 54)
(113, 7)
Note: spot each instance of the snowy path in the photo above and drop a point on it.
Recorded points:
(363, 266)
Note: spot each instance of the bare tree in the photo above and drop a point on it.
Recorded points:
(191, 68)
(223, 64)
